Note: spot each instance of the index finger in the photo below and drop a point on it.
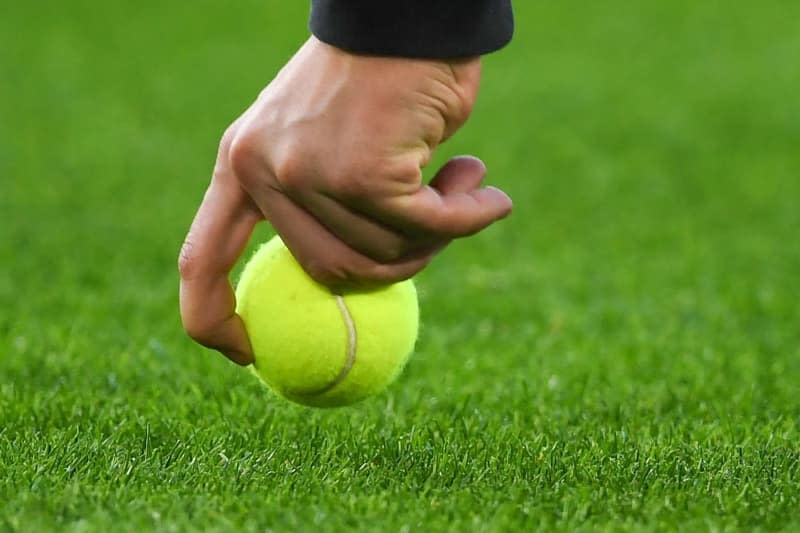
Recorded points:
(217, 238)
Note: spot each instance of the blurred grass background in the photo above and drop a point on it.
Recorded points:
(622, 353)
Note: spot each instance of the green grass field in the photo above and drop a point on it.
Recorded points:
(621, 354)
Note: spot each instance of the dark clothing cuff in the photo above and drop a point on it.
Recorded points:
(414, 28)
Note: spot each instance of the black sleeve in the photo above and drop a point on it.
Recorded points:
(414, 28)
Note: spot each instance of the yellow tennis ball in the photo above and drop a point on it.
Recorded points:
(318, 348)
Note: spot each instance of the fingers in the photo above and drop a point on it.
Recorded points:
(452, 206)
(361, 233)
(343, 246)
(380, 241)
(326, 257)
(215, 241)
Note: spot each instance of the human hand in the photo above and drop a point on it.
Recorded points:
(331, 155)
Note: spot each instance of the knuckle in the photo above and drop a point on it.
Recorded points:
(290, 171)
(245, 154)
(199, 331)
(187, 260)
(203, 328)
(227, 139)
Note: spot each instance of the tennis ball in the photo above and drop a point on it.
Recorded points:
(316, 347)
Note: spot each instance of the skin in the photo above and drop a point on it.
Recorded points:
(331, 155)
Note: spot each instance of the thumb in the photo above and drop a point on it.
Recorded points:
(463, 173)
(454, 203)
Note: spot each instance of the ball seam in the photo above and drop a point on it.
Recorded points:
(352, 344)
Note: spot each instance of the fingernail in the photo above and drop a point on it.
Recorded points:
(239, 358)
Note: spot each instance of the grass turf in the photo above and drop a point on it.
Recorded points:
(622, 354)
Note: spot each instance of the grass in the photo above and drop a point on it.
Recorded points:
(622, 354)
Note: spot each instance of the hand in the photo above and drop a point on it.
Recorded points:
(331, 155)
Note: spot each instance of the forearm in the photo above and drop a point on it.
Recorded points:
(414, 28)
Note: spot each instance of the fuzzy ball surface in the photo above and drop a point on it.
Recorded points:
(318, 348)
